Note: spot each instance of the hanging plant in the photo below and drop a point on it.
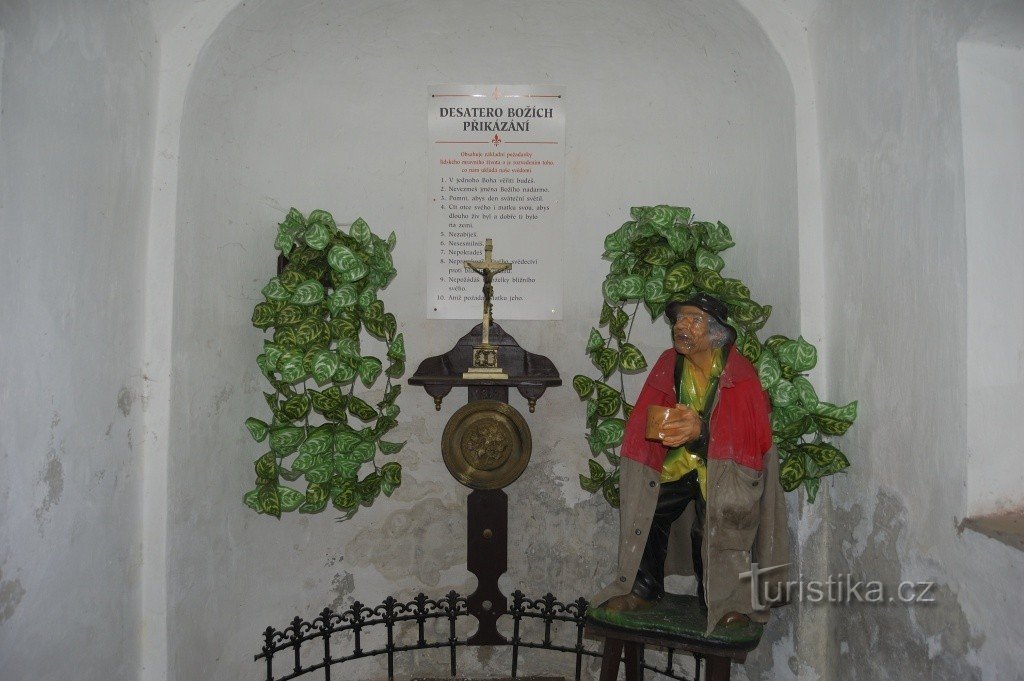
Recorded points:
(315, 308)
(662, 255)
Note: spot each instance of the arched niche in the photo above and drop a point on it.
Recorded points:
(324, 105)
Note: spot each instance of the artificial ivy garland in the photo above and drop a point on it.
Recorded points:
(316, 308)
(662, 254)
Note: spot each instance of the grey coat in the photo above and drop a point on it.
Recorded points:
(746, 522)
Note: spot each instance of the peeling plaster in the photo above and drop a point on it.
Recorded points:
(125, 400)
(221, 397)
(11, 593)
(896, 634)
(52, 477)
(416, 542)
(343, 584)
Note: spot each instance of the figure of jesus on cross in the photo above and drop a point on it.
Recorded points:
(485, 356)
(487, 268)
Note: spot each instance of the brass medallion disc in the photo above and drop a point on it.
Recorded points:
(486, 445)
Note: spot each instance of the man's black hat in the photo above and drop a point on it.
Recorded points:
(703, 301)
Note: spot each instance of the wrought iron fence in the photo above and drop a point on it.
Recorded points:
(341, 636)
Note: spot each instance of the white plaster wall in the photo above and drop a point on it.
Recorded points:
(897, 270)
(992, 92)
(76, 135)
(323, 105)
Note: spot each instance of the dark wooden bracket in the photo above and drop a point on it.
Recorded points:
(487, 510)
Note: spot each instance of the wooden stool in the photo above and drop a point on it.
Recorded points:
(676, 622)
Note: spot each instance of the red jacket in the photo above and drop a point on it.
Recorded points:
(740, 429)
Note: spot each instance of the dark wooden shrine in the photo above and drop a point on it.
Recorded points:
(487, 509)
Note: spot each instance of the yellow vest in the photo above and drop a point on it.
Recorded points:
(679, 461)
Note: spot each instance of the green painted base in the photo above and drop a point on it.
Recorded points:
(680, 618)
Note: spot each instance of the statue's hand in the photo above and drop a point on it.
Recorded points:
(682, 426)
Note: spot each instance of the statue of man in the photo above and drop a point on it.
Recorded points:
(700, 488)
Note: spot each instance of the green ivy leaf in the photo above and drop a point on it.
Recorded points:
(661, 216)
(323, 364)
(610, 289)
(811, 485)
(680, 277)
(798, 354)
(252, 500)
(583, 385)
(369, 370)
(792, 472)
(292, 277)
(588, 484)
(366, 298)
(597, 473)
(266, 466)
(595, 341)
(316, 498)
(346, 263)
(631, 287)
(361, 409)
(396, 348)
(360, 231)
(748, 346)
(827, 425)
(631, 359)
(717, 237)
(263, 316)
(390, 447)
(290, 314)
(313, 332)
(274, 290)
(708, 260)
(654, 290)
(346, 497)
(289, 475)
(258, 429)
(344, 297)
(805, 392)
(391, 473)
(364, 451)
(289, 498)
(269, 502)
(709, 280)
(344, 374)
(318, 443)
(620, 320)
(783, 394)
(395, 370)
(660, 255)
(295, 408)
(606, 360)
(606, 314)
(610, 432)
(286, 439)
(608, 400)
(286, 337)
(323, 217)
(308, 293)
(734, 288)
(610, 489)
(317, 236)
(768, 370)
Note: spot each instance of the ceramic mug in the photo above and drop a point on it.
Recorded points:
(657, 417)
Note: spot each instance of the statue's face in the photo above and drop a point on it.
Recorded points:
(690, 333)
